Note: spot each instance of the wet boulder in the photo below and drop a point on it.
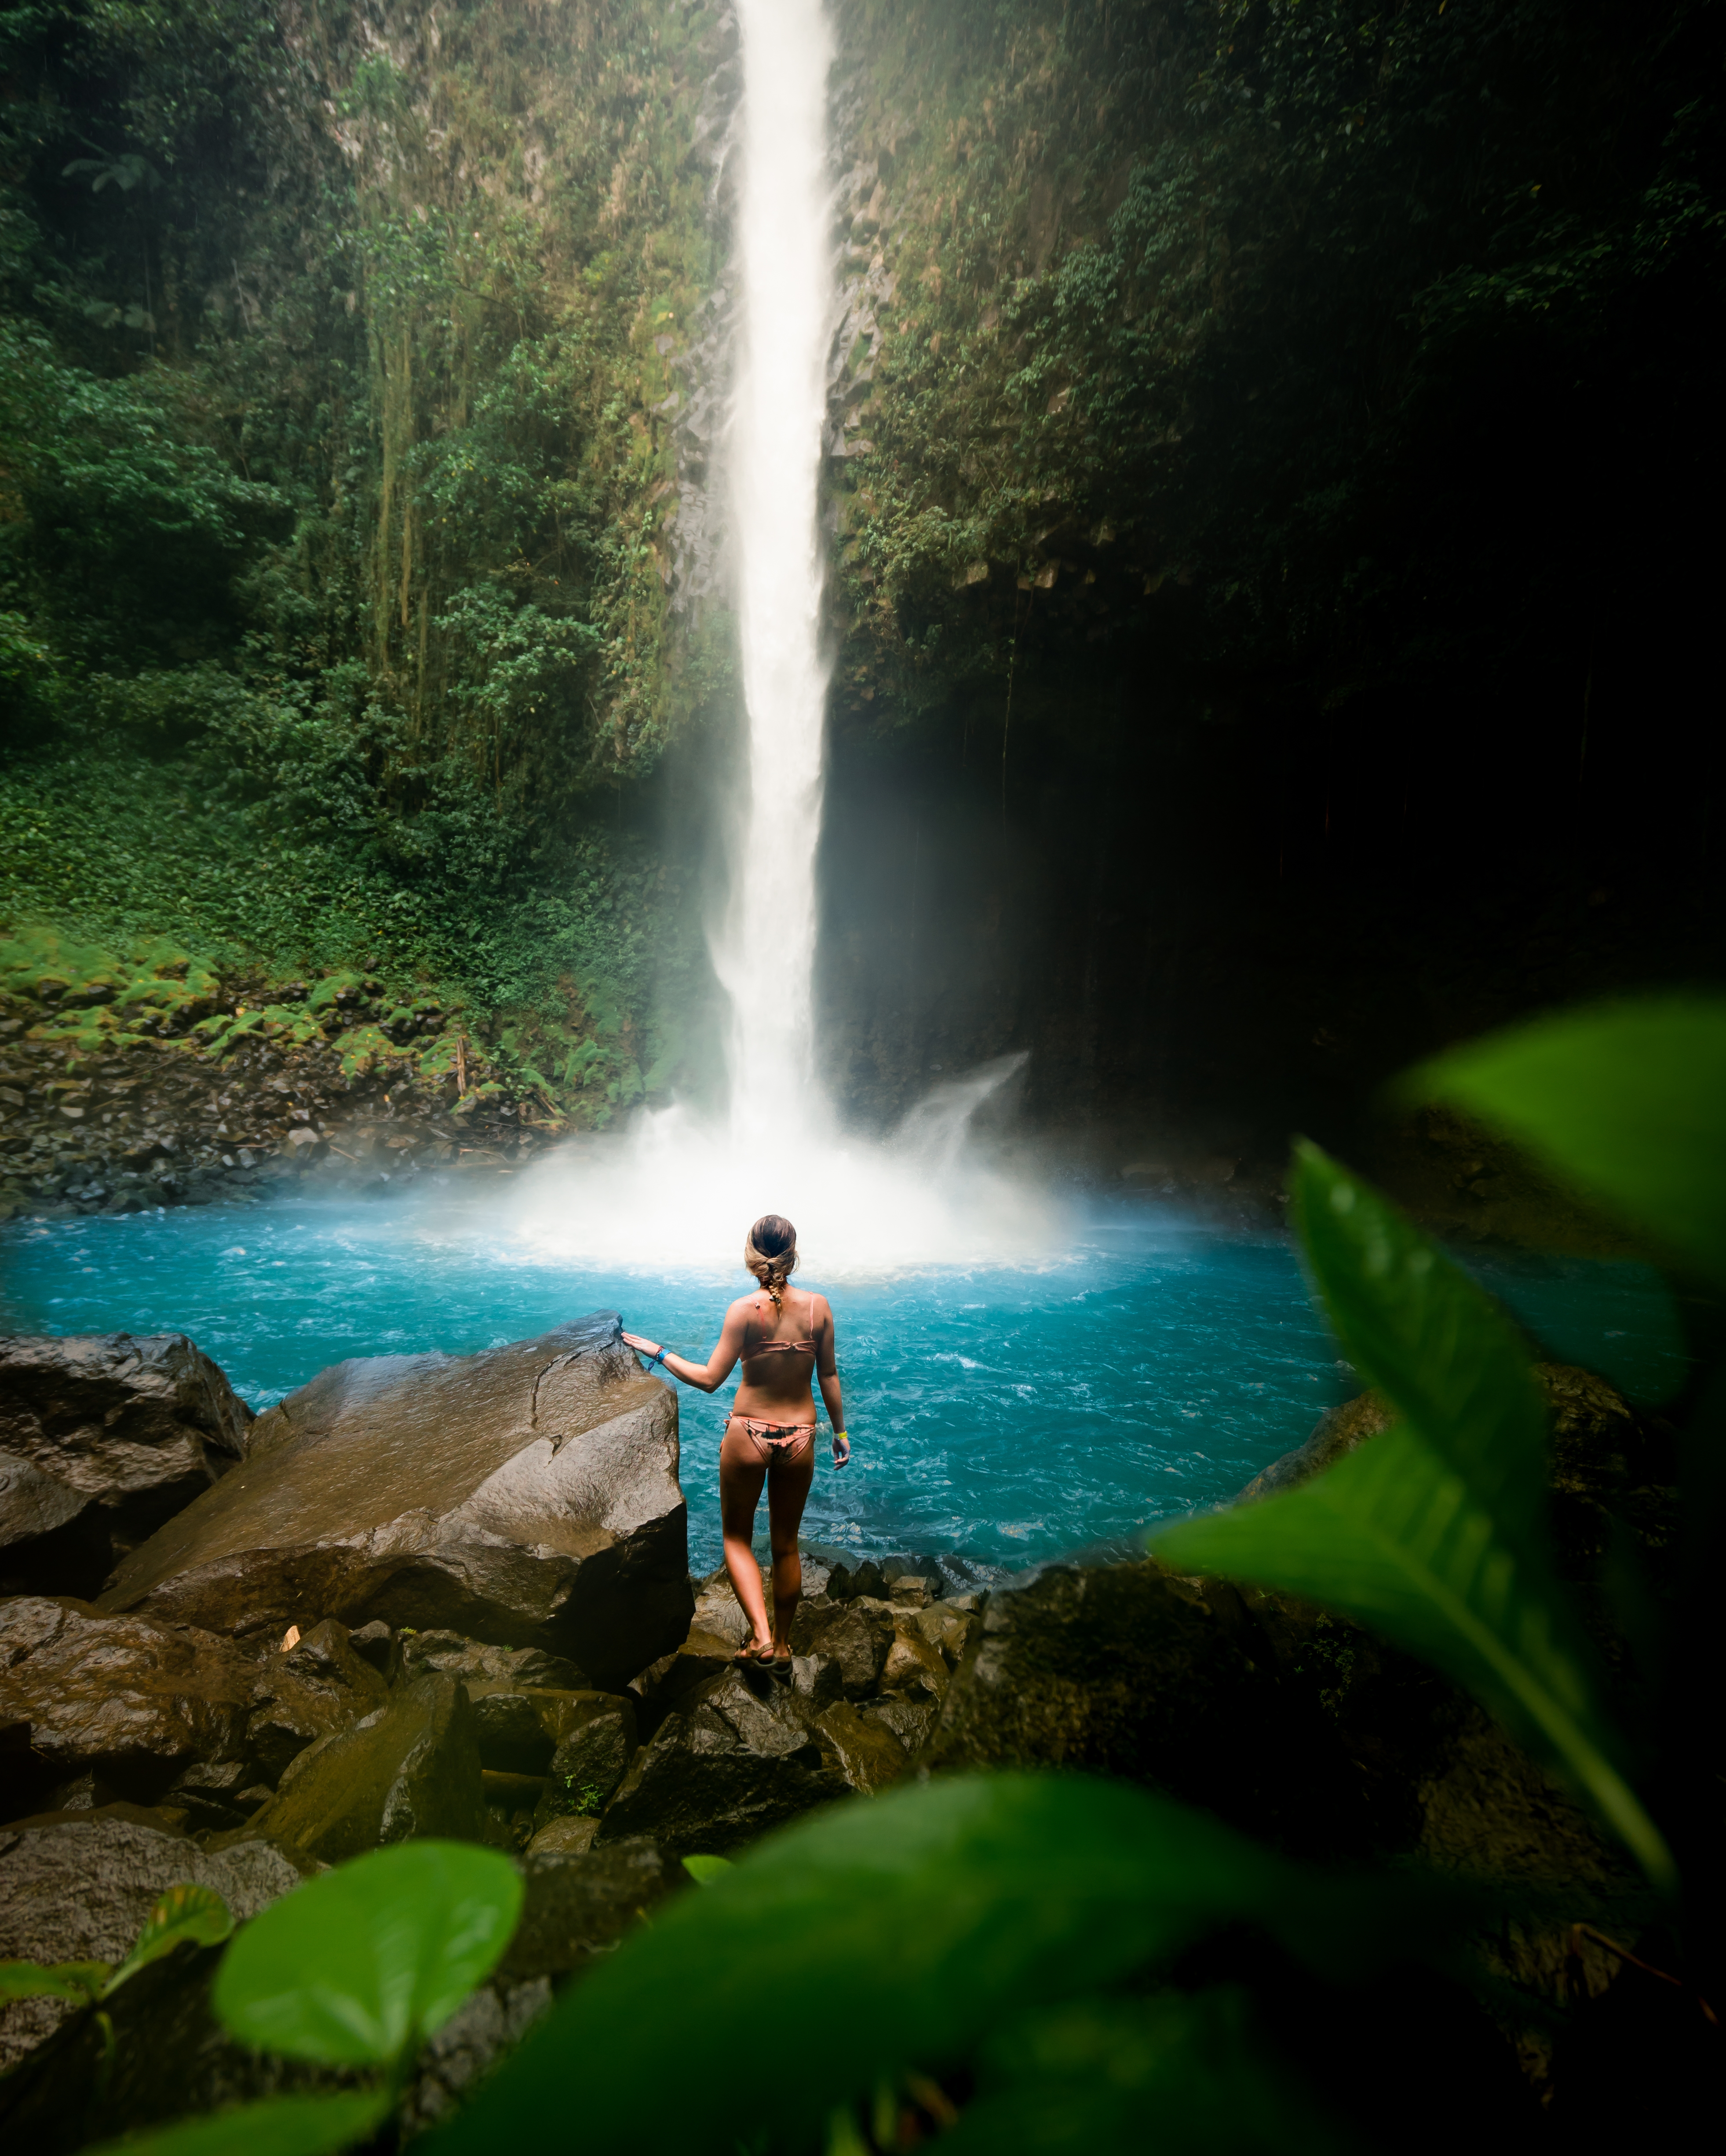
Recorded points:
(740, 1755)
(408, 1769)
(946, 1626)
(1339, 1431)
(525, 1497)
(577, 1904)
(1126, 1669)
(908, 1721)
(95, 1707)
(869, 1756)
(596, 1734)
(103, 1437)
(78, 1889)
(857, 1633)
(703, 1656)
(128, 1705)
(914, 1669)
(304, 1692)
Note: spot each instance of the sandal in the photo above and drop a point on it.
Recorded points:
(749, 1656)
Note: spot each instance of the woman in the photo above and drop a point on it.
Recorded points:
(783, 1338)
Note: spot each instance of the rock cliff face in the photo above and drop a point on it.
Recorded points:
(527, 1495)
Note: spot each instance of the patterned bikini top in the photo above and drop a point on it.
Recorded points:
(778, 1347)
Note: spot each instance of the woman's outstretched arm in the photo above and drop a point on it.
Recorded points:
(708, 1376)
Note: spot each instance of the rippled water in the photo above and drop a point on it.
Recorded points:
(1001, 1413)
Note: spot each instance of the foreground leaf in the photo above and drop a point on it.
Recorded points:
(1089, 2076)
(356, 1966)
(80, 1981)
(279, 2126)
(1624, 1099)
(1393, 1536)
(1436, 1344)
(920, 1918)
(705, 1870)
(184, 1915)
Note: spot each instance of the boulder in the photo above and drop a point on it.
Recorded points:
(906, 1721)
(80, 1890)
(579, 1903)
(914, 1668)
(595, 1735)
(312, 1689)
(818, 1679)
(1125, 1670)
(103, 1437)
(870, 1757)
(740, 1755)
(702, 1656)
(1339, 1430)
(857, 1633)
(946, 1628)
(567, 1836)
(94, 1707)
(483, 1667)
(409, 1769)
(124, 1701)
(526, 1496)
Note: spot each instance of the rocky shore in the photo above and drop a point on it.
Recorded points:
(118, 1127)
(437, 1595)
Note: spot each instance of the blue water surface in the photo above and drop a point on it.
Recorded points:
(999, 1415)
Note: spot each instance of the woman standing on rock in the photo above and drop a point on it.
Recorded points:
(784, 1338)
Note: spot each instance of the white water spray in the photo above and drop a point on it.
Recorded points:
(677, 1194)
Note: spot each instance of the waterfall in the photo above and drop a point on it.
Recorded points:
(764, 951)
(675, 1193)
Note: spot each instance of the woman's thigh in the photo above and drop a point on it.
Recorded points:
(788, 1482)
(742, 1472)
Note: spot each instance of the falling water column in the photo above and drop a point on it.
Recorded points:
(765, 953)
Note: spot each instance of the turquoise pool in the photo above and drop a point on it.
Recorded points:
(1000, 1414)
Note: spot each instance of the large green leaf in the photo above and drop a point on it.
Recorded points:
(1393, 1536)
(184, 1915)
(1091, 2074)
(356, 1966)
(279, 2126)
(1625, 1100)
(909, 1925)
(1438, 1347)
(79, 1981)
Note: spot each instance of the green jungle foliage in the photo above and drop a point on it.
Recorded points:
(1313, 341)
(333, 618)
(1028, 1941)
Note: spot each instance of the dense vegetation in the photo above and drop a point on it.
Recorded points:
(1279, 421)
(333, 608)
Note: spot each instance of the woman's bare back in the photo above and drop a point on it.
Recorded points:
(782, 1352)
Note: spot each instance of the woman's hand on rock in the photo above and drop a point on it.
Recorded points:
(642, 1347)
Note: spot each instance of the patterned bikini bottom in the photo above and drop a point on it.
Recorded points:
(776, 1440)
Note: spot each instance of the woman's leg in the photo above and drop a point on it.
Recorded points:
(741, 1474)
(788, 1482)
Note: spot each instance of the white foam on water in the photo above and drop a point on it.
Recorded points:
(675, 1195)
